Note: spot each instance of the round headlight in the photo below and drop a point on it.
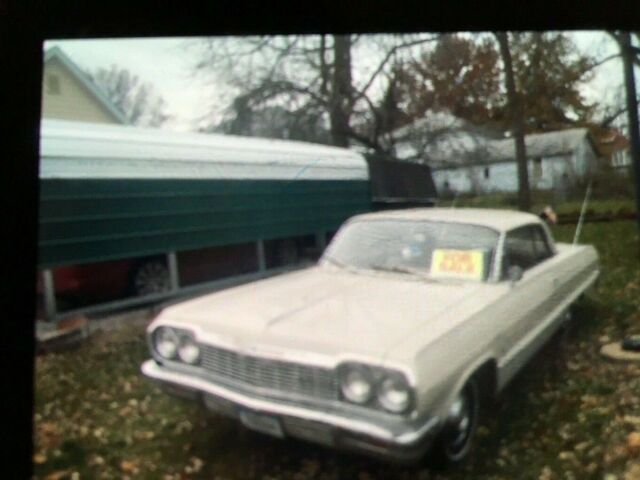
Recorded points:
(166, 342)
(357, 386)
(188, 351)
(394, 394)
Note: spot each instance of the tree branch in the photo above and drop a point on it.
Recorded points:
(606, 121)
(282, 54)
(604, 60)
(635, 50)
(324, 72)
(363, 139)
(610, 118)
(282, 86)
(387, 57)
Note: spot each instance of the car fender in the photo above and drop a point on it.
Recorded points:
(456, 387)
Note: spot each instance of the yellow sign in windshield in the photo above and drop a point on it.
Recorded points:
(468, 264)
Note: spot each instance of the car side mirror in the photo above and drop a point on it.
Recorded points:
(514, 273)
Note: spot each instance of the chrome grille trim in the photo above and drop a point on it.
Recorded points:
(268, 374)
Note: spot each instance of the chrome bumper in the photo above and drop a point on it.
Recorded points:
(400, 441)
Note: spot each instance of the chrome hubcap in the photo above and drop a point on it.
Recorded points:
(152, 278)
(460, 423)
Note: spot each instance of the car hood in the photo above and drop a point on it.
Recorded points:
(322, 310)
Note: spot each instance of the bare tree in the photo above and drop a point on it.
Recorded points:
(610, 112)
(316, 72)
(517, 122)
(137, 100)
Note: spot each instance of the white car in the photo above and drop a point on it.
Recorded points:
(390, 343)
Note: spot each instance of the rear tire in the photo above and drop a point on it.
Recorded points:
(567, 324)
(455, 441)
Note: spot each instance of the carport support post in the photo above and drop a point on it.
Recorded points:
(262, 263)
(172, 261)
(49, 294)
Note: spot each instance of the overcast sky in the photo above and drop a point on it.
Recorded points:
(167, 64)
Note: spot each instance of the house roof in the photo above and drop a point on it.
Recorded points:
(609, 140)
(438, 138)
(443, 120)
(57, 53)
(500, 220)
(446, 141)
(548, 144)
(431, 121)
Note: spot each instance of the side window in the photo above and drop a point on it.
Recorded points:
(520, 249)
(541, 245)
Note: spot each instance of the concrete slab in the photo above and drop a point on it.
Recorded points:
(614, 351)
(72, 331)
(63, 335)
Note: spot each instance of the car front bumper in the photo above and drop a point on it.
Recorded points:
(401, 441)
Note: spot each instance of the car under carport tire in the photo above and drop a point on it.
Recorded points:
(149, 277)
(454, 443)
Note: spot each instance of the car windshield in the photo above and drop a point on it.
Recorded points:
(421, 248)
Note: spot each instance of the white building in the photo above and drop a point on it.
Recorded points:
(464, 158)
(69, 94)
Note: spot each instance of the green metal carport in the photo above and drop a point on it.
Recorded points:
(114, 192)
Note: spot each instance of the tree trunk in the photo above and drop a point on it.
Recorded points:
(340, 101)
(517, 123)
(632, 112)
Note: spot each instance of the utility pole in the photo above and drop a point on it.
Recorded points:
(628, 51)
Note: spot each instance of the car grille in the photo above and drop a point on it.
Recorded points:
(274, 375)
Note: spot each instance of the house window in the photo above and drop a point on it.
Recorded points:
(486, 172)
(621, 158)
(537, 169)
(53, 85)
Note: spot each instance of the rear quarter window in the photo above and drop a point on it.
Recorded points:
(525, 247)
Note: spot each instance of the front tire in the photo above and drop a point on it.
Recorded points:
(455, 442)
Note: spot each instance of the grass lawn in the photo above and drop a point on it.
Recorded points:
(566, 416)
(509, 201)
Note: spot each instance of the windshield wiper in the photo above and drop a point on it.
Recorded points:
(398, 269)
(381, 268)
(336, 262)
(341, 264)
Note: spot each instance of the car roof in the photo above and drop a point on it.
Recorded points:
(500, 220)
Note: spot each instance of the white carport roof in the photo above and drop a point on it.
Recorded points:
(90, 150)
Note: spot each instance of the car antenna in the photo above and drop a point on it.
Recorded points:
(582, 212)
(455, 199)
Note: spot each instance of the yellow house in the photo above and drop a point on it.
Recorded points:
(69, 94)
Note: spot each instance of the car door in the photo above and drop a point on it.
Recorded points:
(528, 299)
